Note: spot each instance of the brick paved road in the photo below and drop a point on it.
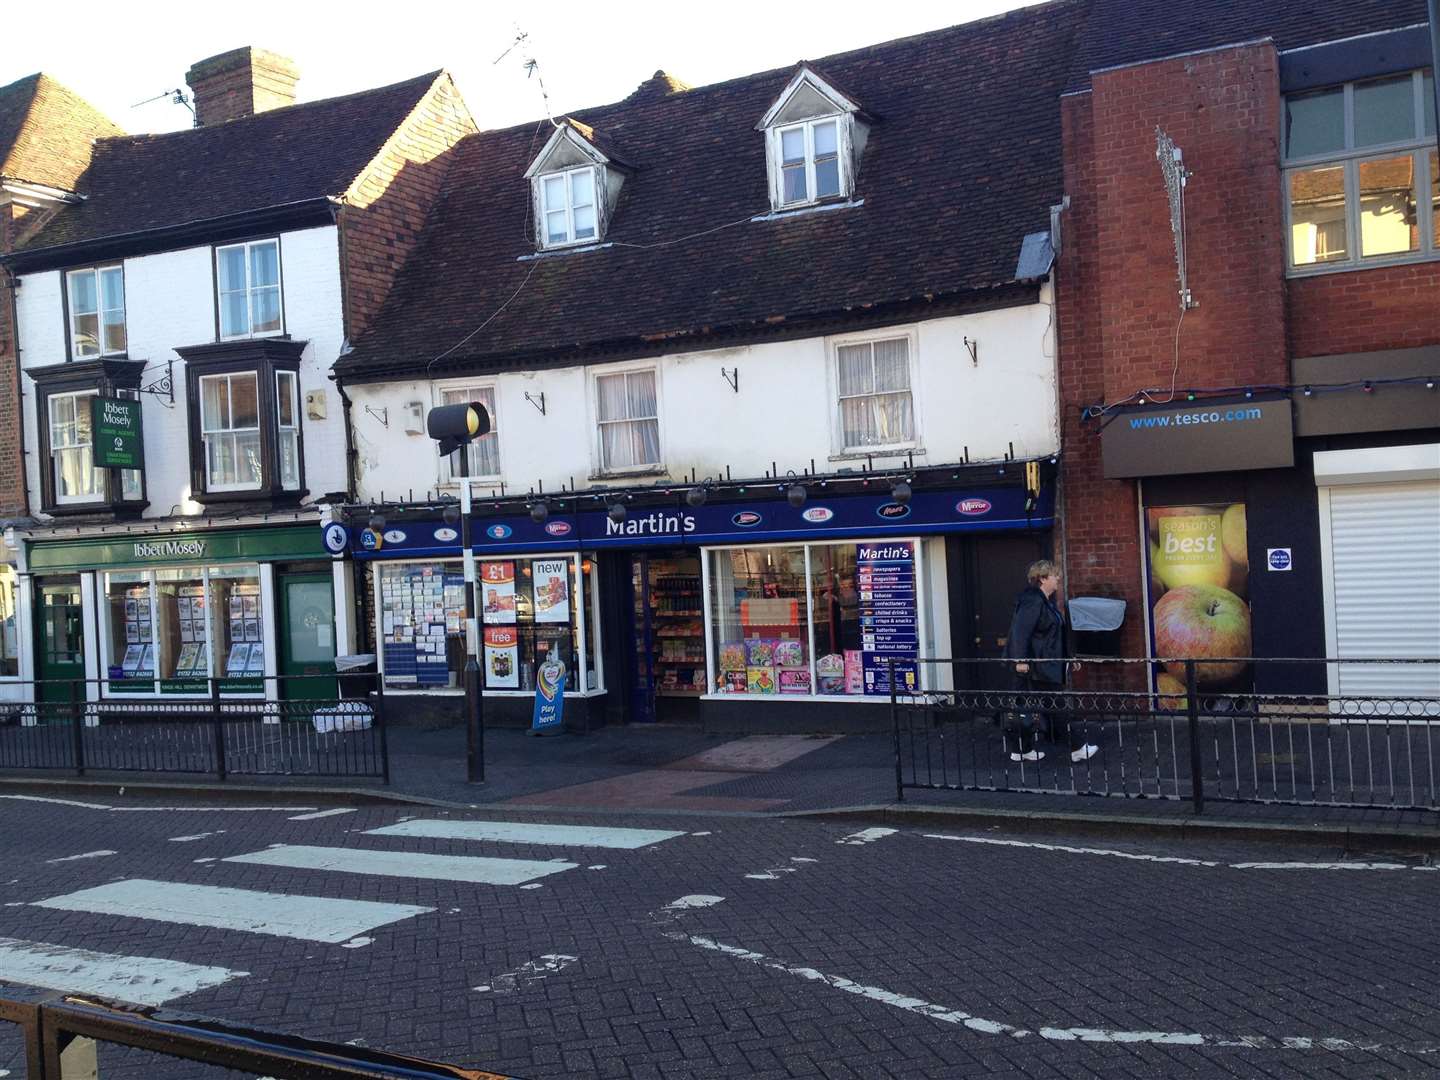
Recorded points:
(899, 956)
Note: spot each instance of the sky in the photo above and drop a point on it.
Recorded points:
(118, 55)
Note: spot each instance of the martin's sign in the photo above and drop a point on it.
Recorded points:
(171, 549)
(860, 517)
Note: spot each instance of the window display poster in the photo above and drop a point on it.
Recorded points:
(502, 656)
(256, 663)
(497, 592)
(552, 590)
(239, 658)
(889, 628)
(1199, 596)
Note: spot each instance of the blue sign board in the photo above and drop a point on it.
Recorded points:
(889, 623)
(822, 517)
(549, 697)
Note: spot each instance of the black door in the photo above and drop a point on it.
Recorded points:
(992, 574)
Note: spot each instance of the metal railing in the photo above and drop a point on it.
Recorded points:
(63, 1036)
(972, 727)
(82, 726)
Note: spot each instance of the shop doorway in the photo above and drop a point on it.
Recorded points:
(307, 636)
(667, 638)
(992, 576)
(60, 642)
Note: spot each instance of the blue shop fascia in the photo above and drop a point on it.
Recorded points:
(744, 606)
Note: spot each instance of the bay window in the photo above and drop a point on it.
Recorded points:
(1361, 173)
(66, 396)
(97, 311)
(248, 291)
(246, 432)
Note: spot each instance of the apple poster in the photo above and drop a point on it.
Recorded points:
(1199, 598)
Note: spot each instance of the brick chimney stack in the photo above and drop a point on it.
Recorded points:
(239, 83)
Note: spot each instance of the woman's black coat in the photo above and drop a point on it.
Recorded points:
(1037, 635)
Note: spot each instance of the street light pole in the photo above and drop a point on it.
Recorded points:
(474, 705)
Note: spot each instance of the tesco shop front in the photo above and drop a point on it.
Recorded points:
(748, 608)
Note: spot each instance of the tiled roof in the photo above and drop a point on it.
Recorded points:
(274, 158)
(46, 131)
(1122, 32)
(962, 164)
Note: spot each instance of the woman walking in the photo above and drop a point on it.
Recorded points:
(1037, 644)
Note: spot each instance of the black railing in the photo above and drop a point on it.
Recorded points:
(974, 725)
(84, 726)
(65, 1036)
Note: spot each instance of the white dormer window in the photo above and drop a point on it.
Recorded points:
(568, 205)
(814, 135)
(810, 161)
(574, 184)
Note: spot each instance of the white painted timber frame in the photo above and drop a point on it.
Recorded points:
(850, 133)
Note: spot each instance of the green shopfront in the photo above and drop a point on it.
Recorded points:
(163, 613)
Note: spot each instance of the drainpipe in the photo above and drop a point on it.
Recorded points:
(351, 454)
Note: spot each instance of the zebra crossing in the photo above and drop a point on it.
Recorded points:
(325, 920)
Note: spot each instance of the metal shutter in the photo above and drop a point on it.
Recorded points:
(1384, 585)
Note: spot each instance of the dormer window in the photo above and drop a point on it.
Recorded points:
(574, 182)
(810, 161)
(814, 135)
(568, 203)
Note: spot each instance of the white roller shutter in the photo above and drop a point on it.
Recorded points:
(1381, 543)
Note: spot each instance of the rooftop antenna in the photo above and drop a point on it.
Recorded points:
(176, 96)
(1172, 168)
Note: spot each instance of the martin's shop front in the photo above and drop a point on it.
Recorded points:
(156, 614)
(752, 607)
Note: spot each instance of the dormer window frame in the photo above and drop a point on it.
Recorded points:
(851, 128)
(545, 210)
(780, 164)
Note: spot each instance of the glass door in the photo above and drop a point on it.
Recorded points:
(60, 648)
(307, 637)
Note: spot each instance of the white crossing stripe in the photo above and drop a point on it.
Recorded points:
(310, 918)
(409, 864)
(866, 836)
(84, 855)
(322, 813)
(523, 832)
(144, 980)
(694, 900)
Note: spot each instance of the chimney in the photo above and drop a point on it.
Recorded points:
(239, 83)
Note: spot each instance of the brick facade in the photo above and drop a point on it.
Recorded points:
(1119, 308)
(386, 208)
(12, 474)
(1118, 313)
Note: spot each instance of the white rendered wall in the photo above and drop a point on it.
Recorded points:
(170, 302)
(784, 411)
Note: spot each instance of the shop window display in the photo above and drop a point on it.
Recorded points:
(9, 625)
(179, 625)
(759, 605)
(132, 630)
(824, 619)
(236, 623)
(527, 612)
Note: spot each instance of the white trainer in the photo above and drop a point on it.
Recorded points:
(1089, 750)
(1029, 755)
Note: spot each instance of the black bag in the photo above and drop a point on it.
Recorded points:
(1023, 718)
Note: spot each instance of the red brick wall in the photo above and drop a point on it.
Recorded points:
(1118, 303)
(386, 210)
(12, 475)
(1391, 307)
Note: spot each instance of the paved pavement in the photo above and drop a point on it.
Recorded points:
(727, 945)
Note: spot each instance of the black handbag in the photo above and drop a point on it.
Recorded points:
(1023, 718)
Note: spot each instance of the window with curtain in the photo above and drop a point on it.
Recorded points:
(76, 478)
(481, 457)
(1359, 161)
(230, 430)
(97, 311)
(629, 420)
(875, 404)
(248, 282)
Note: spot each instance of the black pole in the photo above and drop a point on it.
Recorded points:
(474, 707)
